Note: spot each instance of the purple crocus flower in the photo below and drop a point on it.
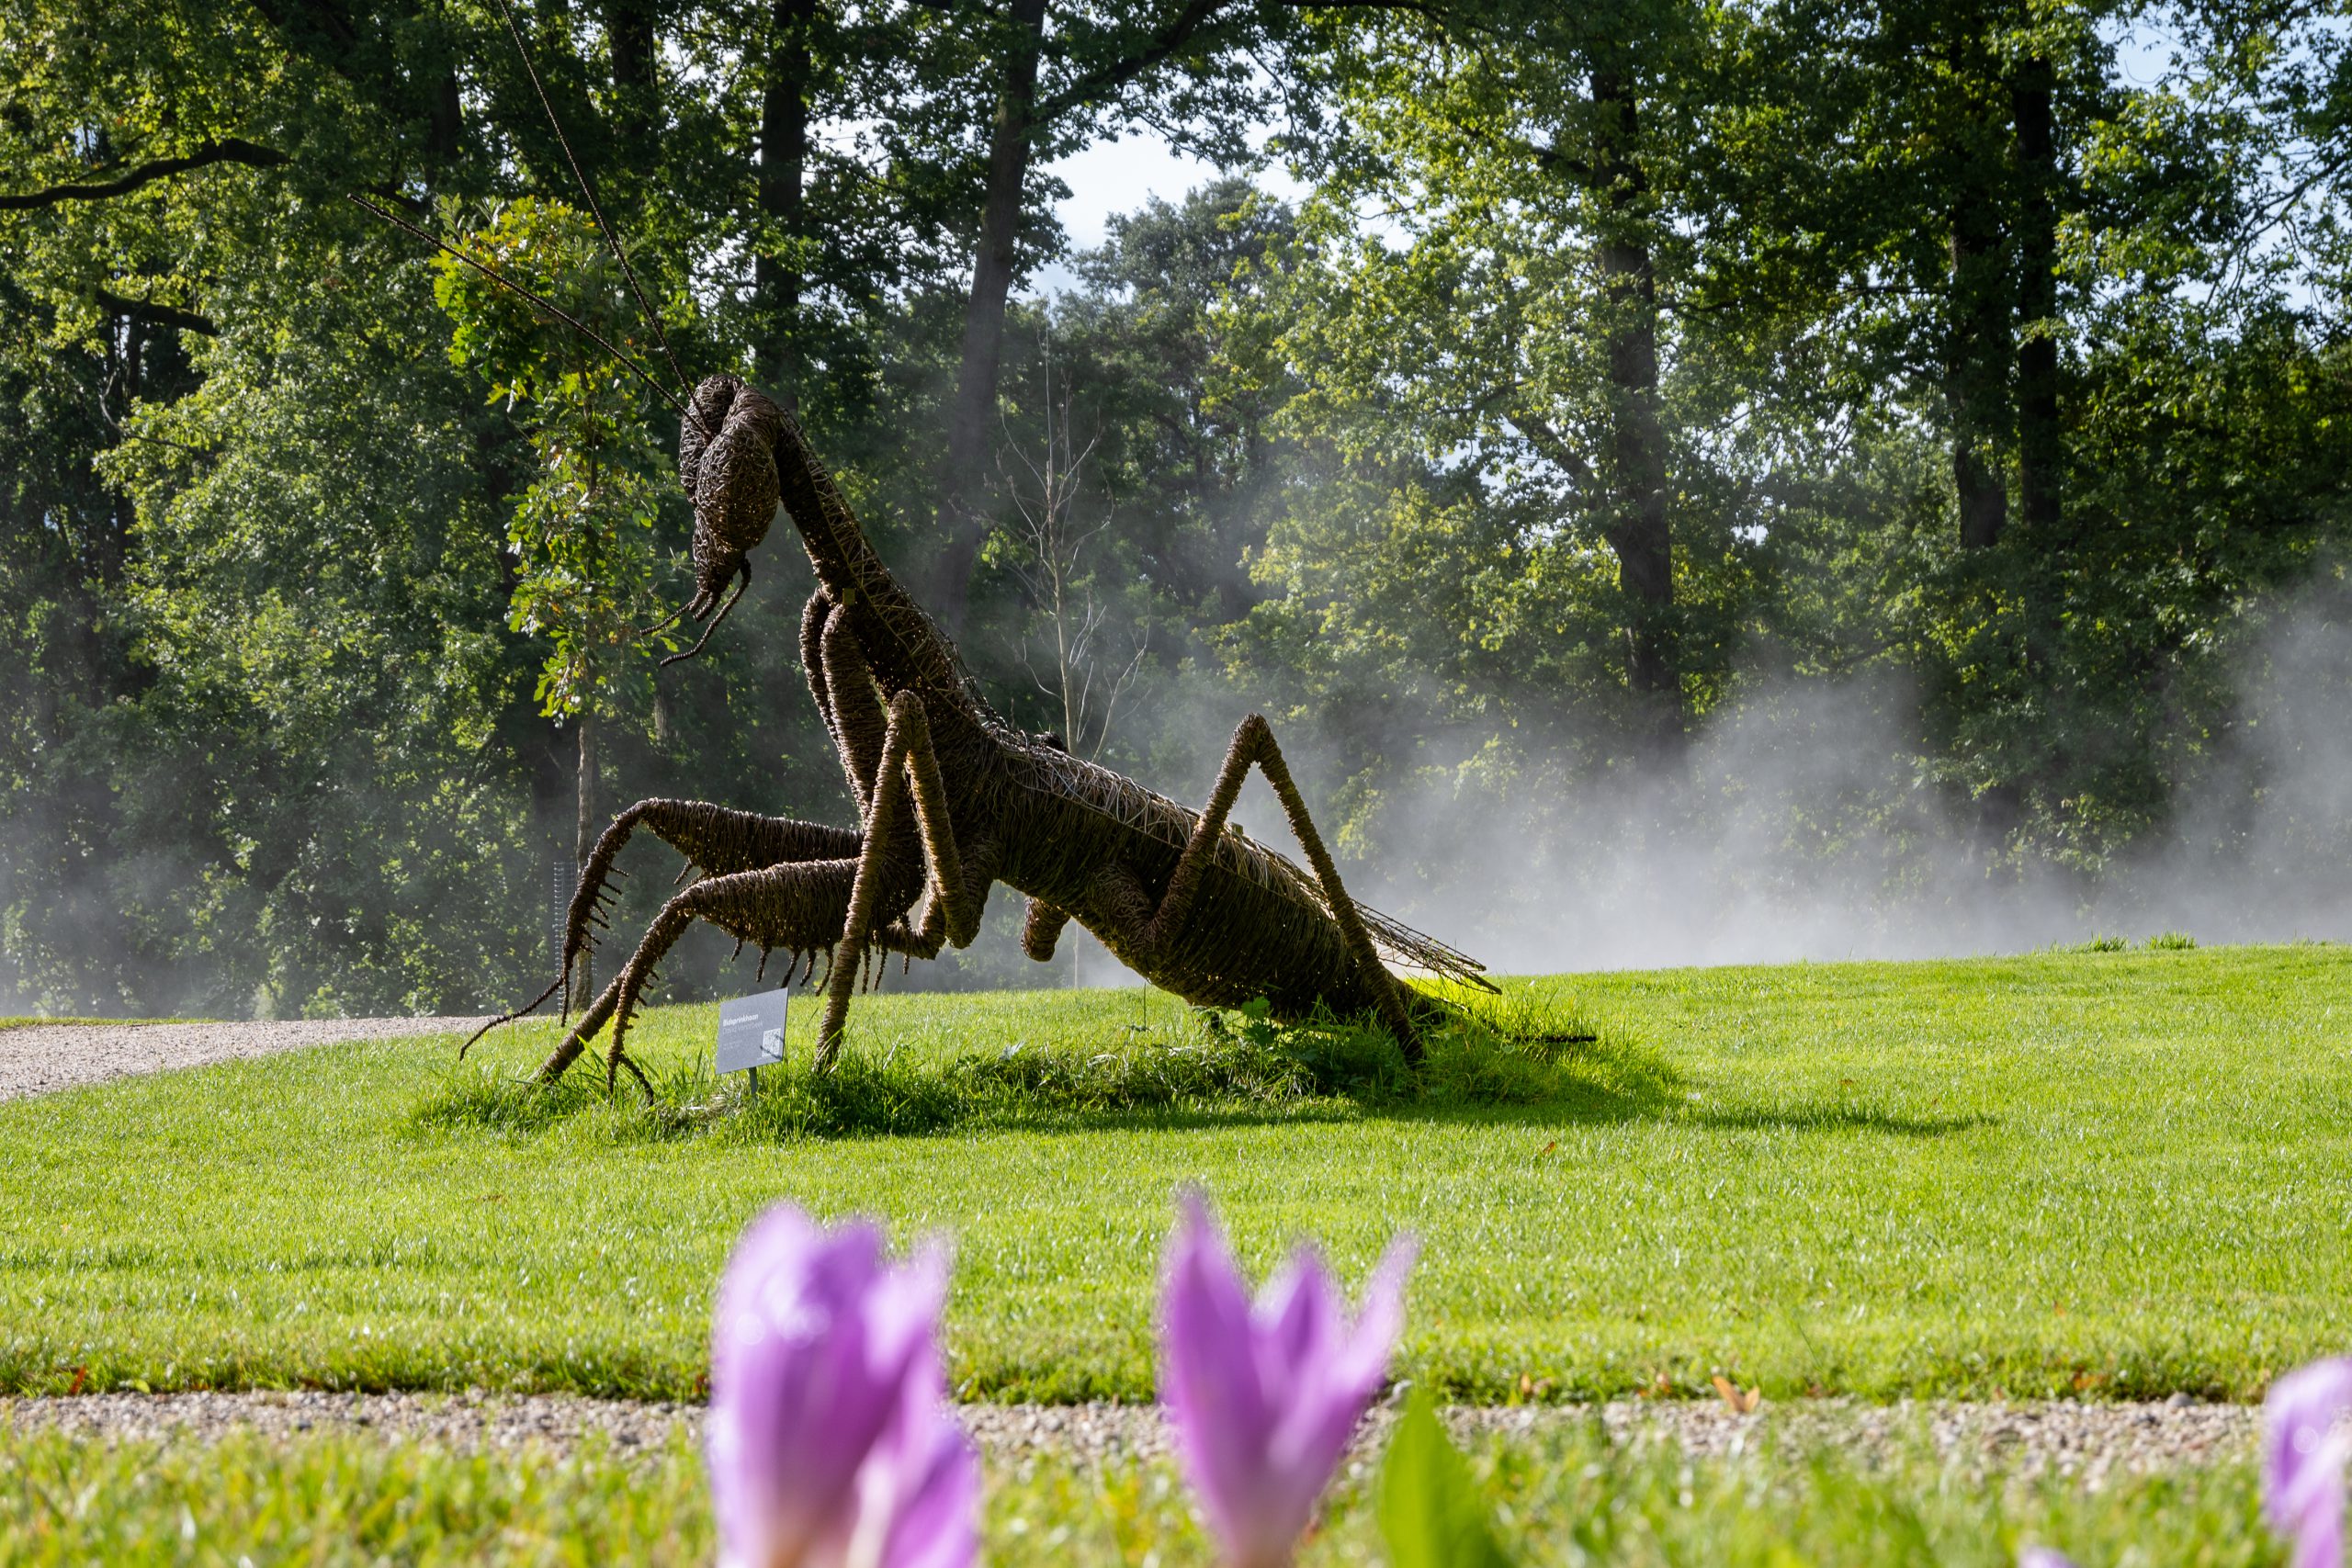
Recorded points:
(828, 1441)
(1263, 1399)
(2303, 1453)
(2042, 1557)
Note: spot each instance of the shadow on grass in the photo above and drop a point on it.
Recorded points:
(1839, 1119)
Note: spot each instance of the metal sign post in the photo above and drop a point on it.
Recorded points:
(751, 1033)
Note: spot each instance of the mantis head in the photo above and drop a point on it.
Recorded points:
(726, 461)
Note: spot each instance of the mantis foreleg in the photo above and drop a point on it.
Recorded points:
(908, 774)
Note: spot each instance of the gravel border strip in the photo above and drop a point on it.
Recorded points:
(42, 1058)
(2089, 1441)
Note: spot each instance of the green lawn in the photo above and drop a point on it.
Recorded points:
(2118, 1173)
(1562, 1498)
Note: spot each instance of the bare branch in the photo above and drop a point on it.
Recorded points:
(229, 149)
(1108, 79)
(1059, 581)
(160, 315)
(1552, 446)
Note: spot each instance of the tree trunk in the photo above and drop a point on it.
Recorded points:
(1976, 361)
(1638, 532)
(583, 841)
(444, 134)
(2040, 441)
(776, 281)
(629, 40)
(1979, 341)
(968, 417)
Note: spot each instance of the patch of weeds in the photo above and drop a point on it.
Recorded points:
(860, 1098)
(1531, 1045)
(1541, 1020)
(2171, 942)
(1519, 1052)
(1325, 1054)
(2096, 945)
(486, 1099)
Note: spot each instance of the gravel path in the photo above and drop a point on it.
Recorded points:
(2086, 1441)
(41, 1058)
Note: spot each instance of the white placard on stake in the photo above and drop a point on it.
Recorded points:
(750, 1032)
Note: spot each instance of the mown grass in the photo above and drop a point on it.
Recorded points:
(2108, 1173)
(1567, 1497)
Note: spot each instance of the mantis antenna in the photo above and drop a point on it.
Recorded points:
(595, 210)
(745, 581)
(557, 311)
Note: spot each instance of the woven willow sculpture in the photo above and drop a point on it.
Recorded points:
(953, 800)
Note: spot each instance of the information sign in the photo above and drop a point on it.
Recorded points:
(750, 1032)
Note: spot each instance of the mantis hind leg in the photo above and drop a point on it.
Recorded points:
(800, 908)
(1253, 745)
(715, 840)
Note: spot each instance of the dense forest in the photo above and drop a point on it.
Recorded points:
(1678, 467)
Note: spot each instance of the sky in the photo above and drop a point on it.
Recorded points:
(1119, 177)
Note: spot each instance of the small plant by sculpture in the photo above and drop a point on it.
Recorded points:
(951, 799)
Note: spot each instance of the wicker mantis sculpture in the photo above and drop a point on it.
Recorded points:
(951, 799)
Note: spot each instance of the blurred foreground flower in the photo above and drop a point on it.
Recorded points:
(2303, 1453)
(2305, 1450)
(1263, 1399)
(829, 1443)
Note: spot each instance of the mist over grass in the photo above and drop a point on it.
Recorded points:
(1808, 821)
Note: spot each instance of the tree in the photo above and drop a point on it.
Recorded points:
(1058, 558)
(582, 535)
(1520, 318)
(1163, 465)
(1184, 67)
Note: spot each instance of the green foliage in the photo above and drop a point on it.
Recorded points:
(1570, 1495)
(2096, 945)
(1432, 1514)
(582, 537)
(346, 1499)
(293, 623)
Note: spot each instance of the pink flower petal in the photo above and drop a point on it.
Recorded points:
(823, 1360)
(2042, 1557)
(937, 1499)
(2303, 1457)
(1263, 1399)
(1208, 1377)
